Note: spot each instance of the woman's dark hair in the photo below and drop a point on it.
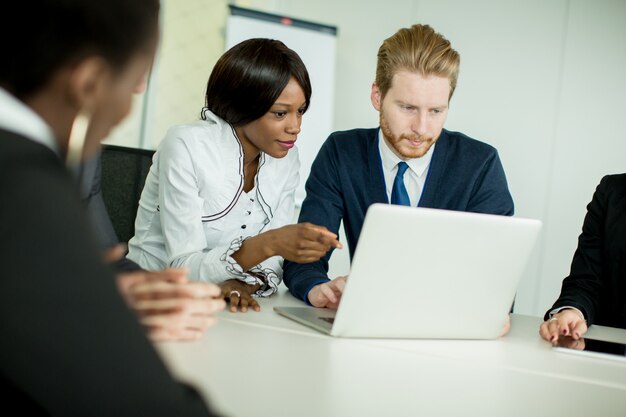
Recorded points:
(247, 80)
(38, 37)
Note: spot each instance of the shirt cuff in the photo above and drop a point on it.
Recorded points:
(267, 278)
(556, 310)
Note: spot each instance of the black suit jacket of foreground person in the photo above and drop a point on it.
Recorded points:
(70, 346)
(596, 284)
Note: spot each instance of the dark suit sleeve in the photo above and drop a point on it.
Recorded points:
(491, 192)
(69, 343)
(91, 193)
(323, 206)
(581, 289)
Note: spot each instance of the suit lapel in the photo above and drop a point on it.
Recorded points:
(376, 179)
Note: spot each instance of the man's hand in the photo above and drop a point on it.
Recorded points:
(327, 294)
(168, 305)
(506, 326)
(239, 295)
(567, 322)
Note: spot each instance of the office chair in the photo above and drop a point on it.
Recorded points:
(124, 172)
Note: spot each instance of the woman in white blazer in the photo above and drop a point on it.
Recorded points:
(219, 198)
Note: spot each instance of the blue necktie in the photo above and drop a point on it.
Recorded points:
(399, 195)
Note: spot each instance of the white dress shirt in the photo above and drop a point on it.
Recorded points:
(194, 212)
(559, 309)
(414, 177)
(17, 117)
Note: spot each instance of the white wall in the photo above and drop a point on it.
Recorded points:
(590, 129)
(192, 40)
(542, 81)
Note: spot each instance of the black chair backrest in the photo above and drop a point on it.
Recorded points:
(124, 172)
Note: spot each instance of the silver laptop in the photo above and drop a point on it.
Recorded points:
(428, 273)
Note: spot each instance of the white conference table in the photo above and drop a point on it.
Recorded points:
(262, 364)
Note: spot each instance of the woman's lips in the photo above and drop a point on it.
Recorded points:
(287, 144)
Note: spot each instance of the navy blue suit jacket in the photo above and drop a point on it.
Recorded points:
(347, 177)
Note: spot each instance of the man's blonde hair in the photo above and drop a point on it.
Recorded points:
(416, 49)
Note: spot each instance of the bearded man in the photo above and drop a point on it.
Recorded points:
(410, 160)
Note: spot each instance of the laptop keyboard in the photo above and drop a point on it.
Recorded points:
(330, 320)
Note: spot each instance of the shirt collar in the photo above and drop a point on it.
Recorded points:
(390, 159)
(17, 117)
